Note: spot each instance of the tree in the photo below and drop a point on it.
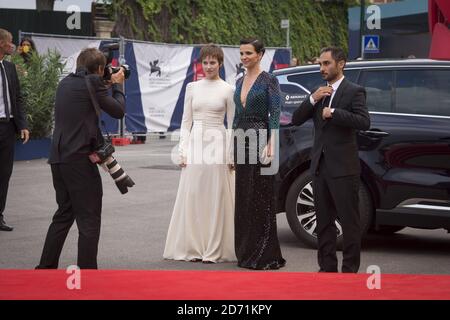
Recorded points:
(39, 78)
(45, 5)
(313, 24)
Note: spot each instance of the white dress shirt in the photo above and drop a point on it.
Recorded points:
(2, 103)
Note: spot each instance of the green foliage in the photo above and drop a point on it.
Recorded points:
(38, 80)
(313, 24)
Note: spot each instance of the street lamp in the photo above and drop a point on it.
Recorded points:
(361, 27)
(285, 25)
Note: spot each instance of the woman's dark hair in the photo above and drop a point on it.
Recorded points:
(256, 43)
(33, 46)
(211, 50)
(26, 56)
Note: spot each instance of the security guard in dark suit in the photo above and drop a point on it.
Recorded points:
(12, 119)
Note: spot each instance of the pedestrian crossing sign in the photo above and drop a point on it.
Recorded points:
(371, 44)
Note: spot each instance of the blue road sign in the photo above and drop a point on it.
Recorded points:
(371, 44)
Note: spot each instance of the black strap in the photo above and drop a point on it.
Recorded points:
(93, 98)
(96, 108)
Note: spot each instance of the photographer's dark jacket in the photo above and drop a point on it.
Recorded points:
(76, 132)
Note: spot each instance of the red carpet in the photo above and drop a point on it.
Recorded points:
(217, 285)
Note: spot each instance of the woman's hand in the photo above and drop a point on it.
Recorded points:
(182, 163)
(269, 149)
(268, 152)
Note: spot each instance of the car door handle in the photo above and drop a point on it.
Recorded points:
(375, 133)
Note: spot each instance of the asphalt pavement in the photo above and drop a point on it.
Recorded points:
(134, 225)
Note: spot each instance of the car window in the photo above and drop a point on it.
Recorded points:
(351, 75)
(423, 92)
(378, 84)
(307, 80)
(314, 79)
(292, 95)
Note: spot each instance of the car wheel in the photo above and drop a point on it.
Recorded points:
(301, 213)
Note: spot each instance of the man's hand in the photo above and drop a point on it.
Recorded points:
(25, 135)
(118, 77)
(322, 92)
(327, 114)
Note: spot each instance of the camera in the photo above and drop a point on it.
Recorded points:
(120, 177)
(109, 69)
(102, 153)
(103, 156)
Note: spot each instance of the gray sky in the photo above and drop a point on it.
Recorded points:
(60, 5)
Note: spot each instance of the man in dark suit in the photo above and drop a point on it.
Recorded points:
(12, 119)
(338, 111)
(76, 179)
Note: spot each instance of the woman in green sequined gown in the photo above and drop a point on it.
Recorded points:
(257, 100)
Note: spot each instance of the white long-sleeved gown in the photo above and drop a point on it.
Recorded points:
(202, 223)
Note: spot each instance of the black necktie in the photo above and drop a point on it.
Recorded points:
(326, 101)
(5, 91)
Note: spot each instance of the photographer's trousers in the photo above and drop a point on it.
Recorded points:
(79, 194)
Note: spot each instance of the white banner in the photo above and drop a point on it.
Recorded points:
(159, 75)
(162, 70)
(68, 48)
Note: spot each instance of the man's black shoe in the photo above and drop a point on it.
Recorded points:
(5, 227)
(327, 271)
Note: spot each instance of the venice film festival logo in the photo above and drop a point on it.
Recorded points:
(160, 71)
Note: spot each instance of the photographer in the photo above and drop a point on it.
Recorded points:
(76, 136)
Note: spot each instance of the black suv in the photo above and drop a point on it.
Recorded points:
(405, 155)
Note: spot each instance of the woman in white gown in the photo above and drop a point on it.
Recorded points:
(202, 223)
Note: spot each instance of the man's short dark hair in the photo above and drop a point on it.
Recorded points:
(336, 53)
(91, 59)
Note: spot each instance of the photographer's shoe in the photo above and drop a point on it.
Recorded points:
(5, 227)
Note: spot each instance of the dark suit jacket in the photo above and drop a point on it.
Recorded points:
(335, 138)
(17, 103)
(77, 131)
